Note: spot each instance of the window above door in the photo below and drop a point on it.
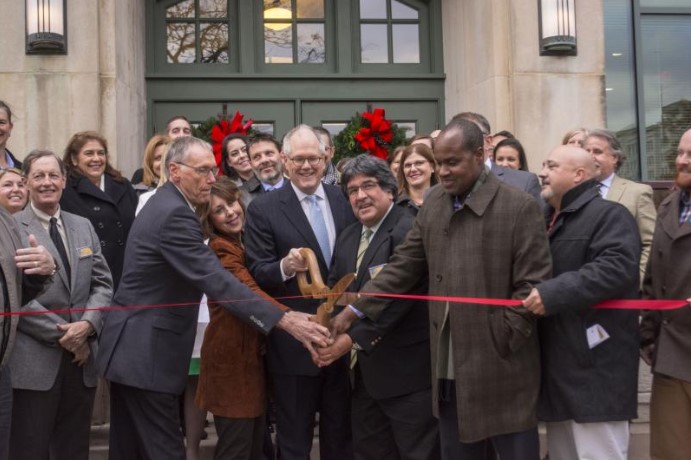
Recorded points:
(292, 37)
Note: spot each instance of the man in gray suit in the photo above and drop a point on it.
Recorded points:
(522, 180)
(23, 272)
(53, 371)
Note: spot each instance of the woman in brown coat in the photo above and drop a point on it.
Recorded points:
(231, 381)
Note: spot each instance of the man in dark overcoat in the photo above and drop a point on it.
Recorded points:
(589, 355)
(475, 237)
(666, 336)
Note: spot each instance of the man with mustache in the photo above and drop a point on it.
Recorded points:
(666, 336)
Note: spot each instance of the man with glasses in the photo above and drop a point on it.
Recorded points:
(264, 154)
(391, 400)
(145, 352)
(304, 213)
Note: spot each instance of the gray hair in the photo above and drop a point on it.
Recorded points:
(35, 155)
(370, 166)
(177, 153)
(288, 148)
(612, 142)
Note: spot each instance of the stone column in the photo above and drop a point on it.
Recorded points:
(493, 66)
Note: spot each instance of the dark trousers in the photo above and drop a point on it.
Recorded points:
(5, 412)
(56, 423)
(144, 425)
(239, 438)
(299, 398)
(524, 445)
(401, 427)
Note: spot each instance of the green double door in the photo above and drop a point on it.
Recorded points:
(277, 116)
(319, 62)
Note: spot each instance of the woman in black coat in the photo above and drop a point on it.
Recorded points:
(97, 191)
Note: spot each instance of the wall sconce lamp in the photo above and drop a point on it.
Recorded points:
(557, 19)
(46, 27)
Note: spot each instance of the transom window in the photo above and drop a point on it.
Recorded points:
(294, 32)
(389, 32)
(197, 32)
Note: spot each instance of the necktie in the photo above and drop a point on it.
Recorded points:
(318, 224)
(603, 190)
(362, 248)
(59, 245)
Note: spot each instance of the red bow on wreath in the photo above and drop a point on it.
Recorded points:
(224, 127)
(374, 137)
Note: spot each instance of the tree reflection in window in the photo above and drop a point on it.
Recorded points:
(197, 32)
(294, 31)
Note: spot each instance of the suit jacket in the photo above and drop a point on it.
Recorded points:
(231, 379)
(16, 289)
(275, 224)
(110, 212)
(638, 199)
(37, 354)
(496, 360)
(522, 180)
(395, 360)
(667, 277)
(168, 264)
(251, 189)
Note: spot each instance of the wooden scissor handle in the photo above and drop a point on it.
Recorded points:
(316, 288)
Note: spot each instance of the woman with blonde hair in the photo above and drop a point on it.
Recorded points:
(152, 163)
(13, 191)
(575, 137)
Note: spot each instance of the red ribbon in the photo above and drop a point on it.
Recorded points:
(659, 305)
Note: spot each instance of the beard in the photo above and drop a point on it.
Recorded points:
(683, 179)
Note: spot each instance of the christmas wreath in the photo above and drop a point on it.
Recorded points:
(369, 132)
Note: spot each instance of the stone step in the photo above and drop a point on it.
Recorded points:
(638, 448)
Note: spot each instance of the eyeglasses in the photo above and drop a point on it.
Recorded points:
(365, 187)
(418, 164)
(313, 161)
(201, 171)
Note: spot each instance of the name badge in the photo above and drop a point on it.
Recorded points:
(85, 252)
(374, 271)
(596, 334)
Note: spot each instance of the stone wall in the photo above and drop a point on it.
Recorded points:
(98, 85)
(493, 67)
